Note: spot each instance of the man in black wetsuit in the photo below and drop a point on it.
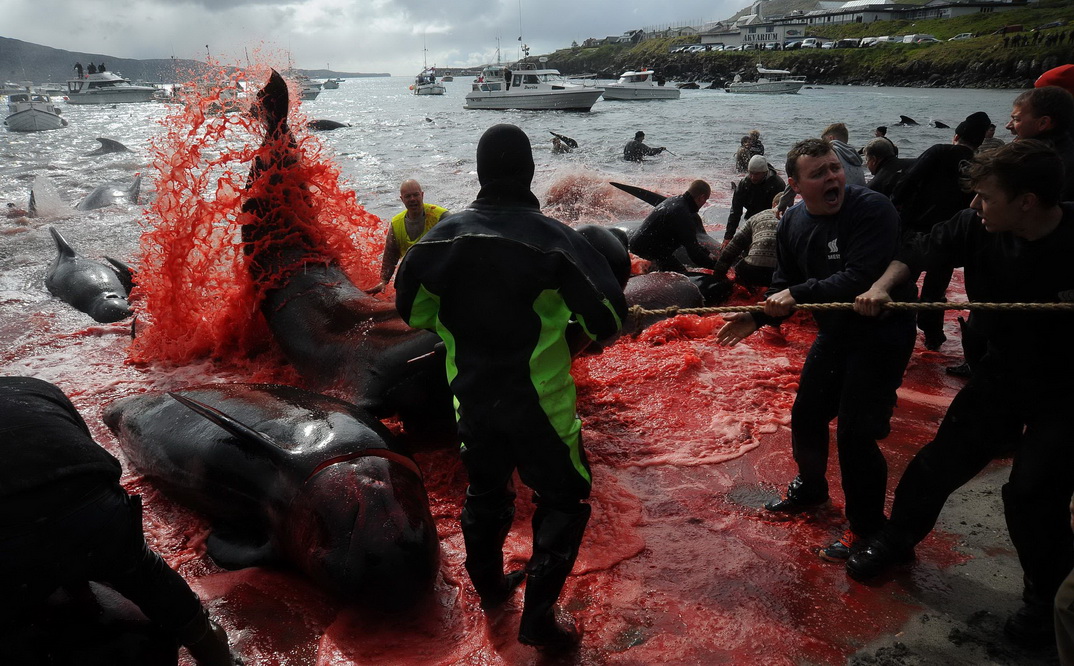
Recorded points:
(1015, 246)
(839, 239)
(675, 224)
(500, 283)
(65, 520)
(929, 192)
(636, 150)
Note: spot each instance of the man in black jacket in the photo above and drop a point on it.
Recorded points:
(753, 193)
(65, 520)
(500, 283)
(884, 164)
(1047, 114)
(931, 191)
(636, 150)
(1015, 246)
(839, 239)
(675, 224)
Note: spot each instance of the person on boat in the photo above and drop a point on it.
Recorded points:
(755, 243)
(853, 168)
(92, 69)
(830, 248)
(1047, 114)
(501, 283)
(406, 229)
(636, 150)
(886, 167)
(67, 521)
(753, 193)
(673, 225)
(930, 192)
(1014, 244)
(101, 68)
(78, 69)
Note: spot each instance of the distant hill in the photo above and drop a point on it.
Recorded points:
(23, 61)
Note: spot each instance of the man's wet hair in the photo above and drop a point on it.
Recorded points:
(880, 148)
(1022, 167)
(1051, 101)
(806, 148)
(699, 188)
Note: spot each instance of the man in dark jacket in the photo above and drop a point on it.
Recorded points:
(884, 164)
(753, 193)
(636, 150)
(1015, 246)
(930, 192)
(65, 520)
(1047, 114)
(675, 224)
(500, 283)
(838, 240)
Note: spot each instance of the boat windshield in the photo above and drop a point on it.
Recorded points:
(18, 98)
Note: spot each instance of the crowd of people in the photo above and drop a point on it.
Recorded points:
(514, 295)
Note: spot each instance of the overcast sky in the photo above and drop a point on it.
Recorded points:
(350, 35)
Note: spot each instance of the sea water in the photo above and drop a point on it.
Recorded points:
(685, 437)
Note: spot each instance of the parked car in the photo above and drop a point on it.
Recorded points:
(828, 45)
(869, 41)
(961, 36)
(926, 39)
(772, 46)
(790, 46)
(848, 43)
(810, 43)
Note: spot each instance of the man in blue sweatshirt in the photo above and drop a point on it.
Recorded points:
(837, 240)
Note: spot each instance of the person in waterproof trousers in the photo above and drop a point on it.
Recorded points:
(500, 283)
(65, 520)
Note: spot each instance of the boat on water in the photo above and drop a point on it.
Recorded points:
(425, 83)
(642, 84)
(523, 86)
(769, 82)
(330, 84)
(447, 79)
(107, 88)
(32, 112)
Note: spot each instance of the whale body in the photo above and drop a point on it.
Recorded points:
(90, 286)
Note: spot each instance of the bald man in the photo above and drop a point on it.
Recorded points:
(406, 229)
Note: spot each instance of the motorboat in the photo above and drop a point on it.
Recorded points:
(447, 79)
(523, 86)
(107, 88)
(308, 89)
(642, 84)
(769, 82)
(330, 84)
(425, 83)
(32, 112)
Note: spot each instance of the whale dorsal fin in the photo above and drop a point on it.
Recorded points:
(62, 245)
(135, 189)
(253, 441)
(109, 146)
(649, 197)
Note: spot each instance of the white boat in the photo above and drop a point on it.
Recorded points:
(32, 112)
(447, 79)
(523, 86)
(641, 84)
(769, 82)
(425, 83)
(106, 88)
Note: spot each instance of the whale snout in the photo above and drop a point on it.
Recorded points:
(364, 529)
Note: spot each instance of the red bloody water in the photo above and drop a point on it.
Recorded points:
(687, 439)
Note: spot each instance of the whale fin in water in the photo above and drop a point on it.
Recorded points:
(108, 146)
(649, 197)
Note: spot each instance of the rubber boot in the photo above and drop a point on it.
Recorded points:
(485, 523)
(557, 534)
(207, 642)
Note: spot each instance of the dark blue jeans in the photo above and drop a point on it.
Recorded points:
(851, 375)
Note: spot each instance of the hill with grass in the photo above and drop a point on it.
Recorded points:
(985, 61)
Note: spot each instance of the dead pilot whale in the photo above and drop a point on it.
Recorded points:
(289, 475)
(98, 290)
(334, 334)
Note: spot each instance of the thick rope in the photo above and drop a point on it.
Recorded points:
(638, 311)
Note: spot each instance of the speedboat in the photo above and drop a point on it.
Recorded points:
(447, 79)
(106, 88)
(769, 82)
(330, 84)
(641, 84)
(32, 112)
(523, 86)
(425, 83)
